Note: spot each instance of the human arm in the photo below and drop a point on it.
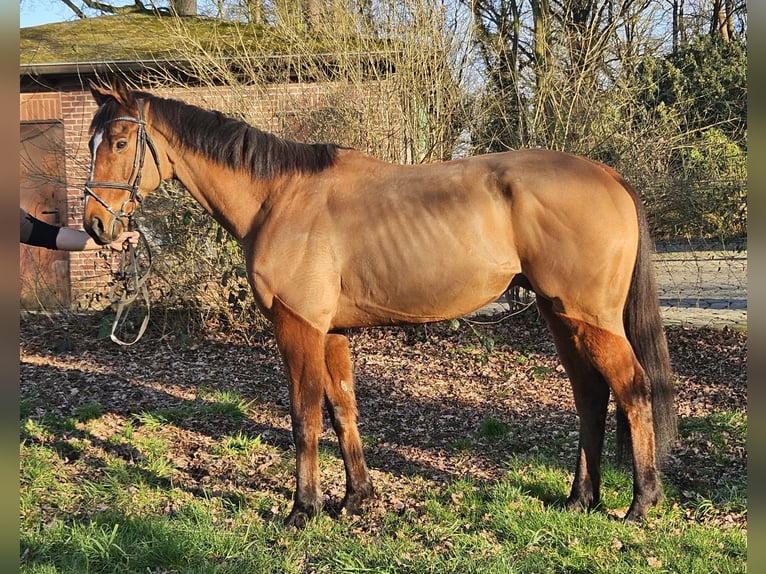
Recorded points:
(40, 234)
(69, 239)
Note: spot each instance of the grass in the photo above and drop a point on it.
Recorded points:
(106, 513)
(160, 473)
(464, 528)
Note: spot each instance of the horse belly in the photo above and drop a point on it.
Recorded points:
(423, 286)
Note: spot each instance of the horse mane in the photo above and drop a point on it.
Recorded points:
(228, 141)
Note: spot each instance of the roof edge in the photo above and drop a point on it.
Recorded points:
(280, 66)
(59, 68)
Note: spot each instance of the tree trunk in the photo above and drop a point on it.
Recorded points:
(722, 22)
(542, 50)
(184, 7)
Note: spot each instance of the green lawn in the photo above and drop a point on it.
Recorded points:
(142, 461)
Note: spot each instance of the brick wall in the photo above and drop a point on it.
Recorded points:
(89, 271)
(40, 106)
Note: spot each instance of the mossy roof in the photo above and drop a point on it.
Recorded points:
(145, 37)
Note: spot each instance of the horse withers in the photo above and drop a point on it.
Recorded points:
(334, 239)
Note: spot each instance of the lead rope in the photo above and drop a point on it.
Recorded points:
(132, 283)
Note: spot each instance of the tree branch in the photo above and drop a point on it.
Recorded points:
(137, 7)
(79, 13)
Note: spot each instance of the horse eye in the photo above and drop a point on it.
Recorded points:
(120, 145)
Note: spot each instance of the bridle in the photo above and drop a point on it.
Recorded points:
(129, 280)
(143, 140)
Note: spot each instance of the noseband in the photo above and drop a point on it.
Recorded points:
(143, 140)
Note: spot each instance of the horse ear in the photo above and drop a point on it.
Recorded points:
(121, 92)
(118, 92)
(100, 94)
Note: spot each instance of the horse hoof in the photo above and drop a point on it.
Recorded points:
(637, 513)
(633, 517)
(578, 504)
(352, 503)
(297, 520)
(641, 505)
(300, 516)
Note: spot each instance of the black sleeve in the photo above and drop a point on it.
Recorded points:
(37, 233)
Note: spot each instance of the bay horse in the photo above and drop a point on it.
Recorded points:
(334, 240)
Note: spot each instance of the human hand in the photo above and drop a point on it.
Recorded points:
(125, 238)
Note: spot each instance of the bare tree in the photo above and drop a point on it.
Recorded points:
(722, 21)
(552, 66)
(691, 18)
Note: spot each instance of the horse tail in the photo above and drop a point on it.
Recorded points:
(643, 326)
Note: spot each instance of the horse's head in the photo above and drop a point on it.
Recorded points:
(121, 174)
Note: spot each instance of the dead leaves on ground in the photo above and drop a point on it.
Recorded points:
(434, 402)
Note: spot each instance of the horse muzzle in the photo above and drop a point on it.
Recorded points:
(104, 229)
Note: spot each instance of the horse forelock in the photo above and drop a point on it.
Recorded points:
(104, 114)
(236, 144)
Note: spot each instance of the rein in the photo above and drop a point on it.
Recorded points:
(131, 284)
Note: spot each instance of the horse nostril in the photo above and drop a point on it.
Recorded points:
(96, 227)
(117, 228)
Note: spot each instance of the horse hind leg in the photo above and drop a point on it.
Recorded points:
(612, 356)
(341, 405)
(591, 395)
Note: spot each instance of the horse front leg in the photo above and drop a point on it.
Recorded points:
(302, 349)
(341, 404)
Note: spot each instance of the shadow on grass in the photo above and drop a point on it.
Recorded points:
(400, 424)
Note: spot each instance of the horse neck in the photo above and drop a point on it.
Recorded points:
(232, 198)
(199, 146)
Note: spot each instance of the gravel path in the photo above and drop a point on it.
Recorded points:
(703, 288)
(697, 289)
